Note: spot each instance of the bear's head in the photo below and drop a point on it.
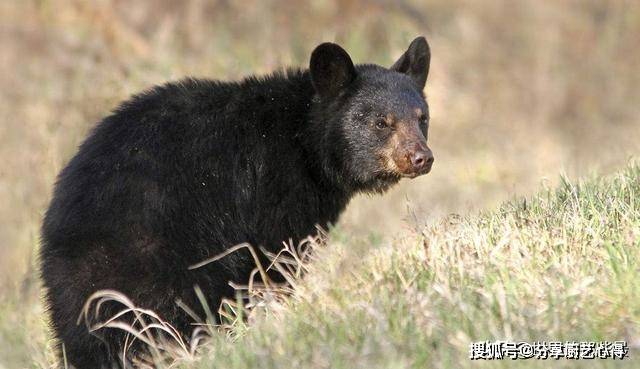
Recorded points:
(374, 119)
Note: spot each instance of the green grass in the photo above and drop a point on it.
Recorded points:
(562, 265)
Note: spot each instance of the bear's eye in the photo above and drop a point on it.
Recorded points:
(381, 124)
(423, 120)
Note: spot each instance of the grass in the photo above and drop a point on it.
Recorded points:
(562, 265)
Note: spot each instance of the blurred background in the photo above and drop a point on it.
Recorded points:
(520, 91)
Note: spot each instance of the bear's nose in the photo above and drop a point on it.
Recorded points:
(422, 160)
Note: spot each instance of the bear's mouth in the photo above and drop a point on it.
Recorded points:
(396, 174)
(416, 174)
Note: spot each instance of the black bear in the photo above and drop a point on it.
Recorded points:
(186, 170)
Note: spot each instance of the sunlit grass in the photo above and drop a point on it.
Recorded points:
(562, 265)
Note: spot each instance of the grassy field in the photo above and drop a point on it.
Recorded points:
(563, 265)
(519, 91)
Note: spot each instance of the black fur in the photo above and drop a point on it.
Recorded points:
(186, 170)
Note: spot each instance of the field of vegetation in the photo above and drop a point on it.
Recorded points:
(520, 93)
(563, 265)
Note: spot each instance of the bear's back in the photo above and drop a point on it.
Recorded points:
(196, 155)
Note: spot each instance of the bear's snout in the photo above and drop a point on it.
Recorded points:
(421, 161)
(409, 152)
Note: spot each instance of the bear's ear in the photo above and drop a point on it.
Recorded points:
(331, 69)
(415, 61)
